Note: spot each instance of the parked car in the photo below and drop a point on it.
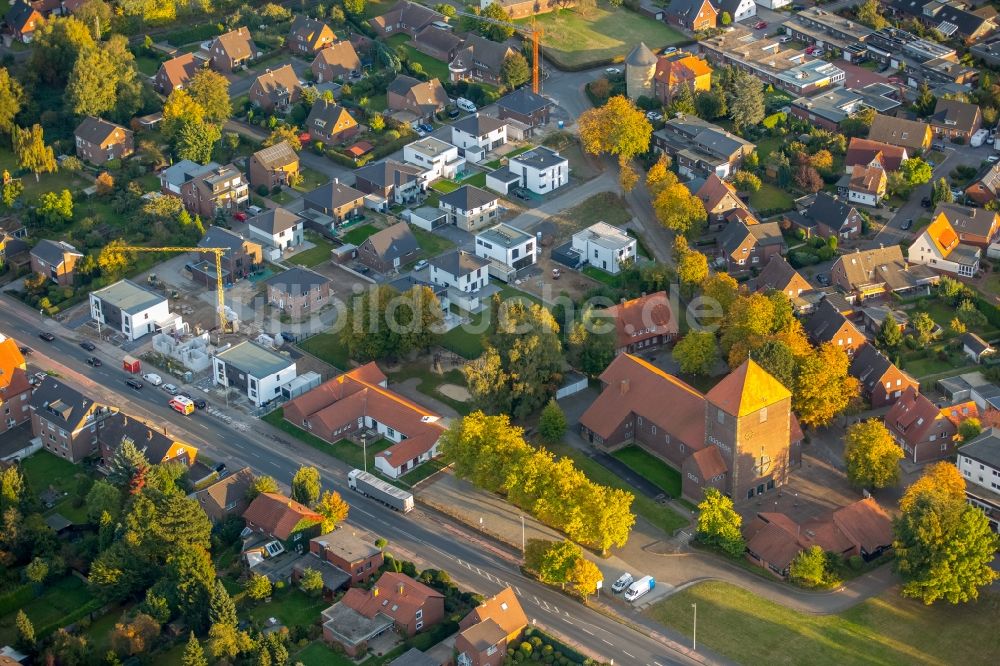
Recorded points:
(798, 8)
(220, 469)
(419, 131)
(153, 378)
(25, 350)
(612, 71)
(670, 49)
(420, 265)
(465, 105)
(453, 111)
(94, 361)
(427, 128)
(254, 210)
(823, 279)
(88, 345)
(993, 159)
(760, 25)
(784, 40)
(906, 225)
(134, 383)
(926, 202)
(171, 389)
(623, 581)
(45, 335)
(240, 217)
(198, 402)
(520, 194)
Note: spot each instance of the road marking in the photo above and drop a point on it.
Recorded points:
(517, 591)
(608, 642)
(586, 631)
(629, 654)
(566, 621)
(536, 600)
(556, 607)
(657, 663)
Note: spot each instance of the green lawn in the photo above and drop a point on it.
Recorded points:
(464, 343)
(768, 145)
(445, 186)
(593, 272)
(476, 180)
(57, 600)
(291, 606)
(349, 452)
(603, 34)
(328, 347)
(311, 180)
(148, 65)
(884, 630)
(652, 469)
(662, 517)
(314, 255)
(771, 197)
(282, 198)
(434, 68)
(359, 235)
(640, 246)
(320, 654)
(428, 382)
(431, 244)
(44, 470)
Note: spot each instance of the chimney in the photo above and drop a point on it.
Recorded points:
(375, 591)
(401, 590)
(623, 386)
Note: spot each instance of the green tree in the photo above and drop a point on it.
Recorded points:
(916, 171)
(96, 15)
(11, 98)
(748, 181)
(944, 548)
(923, 325)
(676, 208)
(98, 76)
(286, 133)
(889, 335)
(870, 13)
(32, 153)
(493, 31)
(156, 606)
(617, 128)
(692, 266)
(697, 353)
(262, 484)
(726, 18)
(711, 104)
(333, 508)
(128, 467)
(745, 99)
(11, 191)
(306, 485)
(55, 46)
(872, 455)
(925, 101)
(25, 631)
(190, 579)
(552, 423)
(180, 109)
(354, 7)
(778, 358)
(311, 582)
(195, 141)
(809, 567)
(682, 100)
(969, 429)
(552, 560)
(941, 193)
(940, 478)
(258, 587)
(969, 314)
(55, 209)
(584, 575)
(194, 655)
(37, 571)
(719, 524)
(11, 487)
(592, 341)
(211, 91)
(514, 70)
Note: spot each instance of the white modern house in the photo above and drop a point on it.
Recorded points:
(604, 246)
(132, 310)
(254, 370)
(540, 170)
(979, 463)
(477, 135)
(439, 158)
(460, 270)
(470, 208)
(277, 228)
(507, 248)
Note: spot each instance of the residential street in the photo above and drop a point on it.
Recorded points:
(422, 534)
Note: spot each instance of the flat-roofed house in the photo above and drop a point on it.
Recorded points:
(253, 370)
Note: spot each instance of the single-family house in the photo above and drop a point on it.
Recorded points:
(508, 246)
(719, 198)
(222, 190)
(358, 404)
(242, 258)
(389, 249)
(174, 176)
(438, 158)
(99, 141)
(155, 443)
(643, 323)
(681, 69)
(460, 270)
(694, 15)
(867, 185)
(277, 227)
(744, 246)
(869, 153)
(778, 275)
(253, 370)
(175, 73)
(605, 246)
(339, 61)
(421, 98)
(437, 42)
(828, 324)
(56, 260)
(308, 35)
(540, 169)
(232, 50)
(330, 123)
(298, 291)
(277, 516)
(485, 633)
(470, 208)
(913, 135)
(832, 216)
(22, 19)
(131, 310)
(274, 166)
(954, 119)
(979, 463)
(865, 274)
(986, 188)
(938, 247)
(479, 59)
(923, 430)
(477, 135)
(276, 90)
(882, 383)
(394, 181)
(738, 10)
(227, 496)
(525, 107)
(345, 549)
(336, 201)
(974, 226)
(405, 17)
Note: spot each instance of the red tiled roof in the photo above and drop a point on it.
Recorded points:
(278, 515)
(865, 523)
(395, 594)
(709, 462)
(863, 151)
(714, 190)
(643, 318)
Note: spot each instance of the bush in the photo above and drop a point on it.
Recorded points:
(262, 190)
(856, 562)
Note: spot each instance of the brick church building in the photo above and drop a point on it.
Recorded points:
(741, 437)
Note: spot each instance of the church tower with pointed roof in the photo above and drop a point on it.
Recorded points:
(748, 417)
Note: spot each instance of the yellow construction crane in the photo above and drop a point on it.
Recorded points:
(219, 252)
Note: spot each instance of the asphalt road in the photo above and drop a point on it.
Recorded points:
(422, 535)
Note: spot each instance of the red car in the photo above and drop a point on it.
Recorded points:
(760, 25)
(810, 50)
(304, 137)
(240, 217)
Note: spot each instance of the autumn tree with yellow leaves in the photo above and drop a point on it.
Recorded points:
(617, 128)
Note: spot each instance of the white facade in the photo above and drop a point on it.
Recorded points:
(383, 465)
(863, 198)
(132, 322)
(774, 4)
(507, 245)
(925, 251)
(234, 369)
(471, 219)
(466, 282)
(284, 239)
(440, 159)
(981, 475)
(540, 170)
(744, 10)
(605, 246)
(476, 146)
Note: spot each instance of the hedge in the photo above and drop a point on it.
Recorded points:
(16, 599)
(70, 618)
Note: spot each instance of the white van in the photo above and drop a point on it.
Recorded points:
(639, 588)
(153, 378)
(465, 105)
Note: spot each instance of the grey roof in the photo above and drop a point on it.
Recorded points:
(60, 403)
(53, 252)
(97, 130)
(985, 448)
(953, 113)
(485, 52)
(478, 124)
(332, 195)
(185, 170)
(824, 323)
(406, 282)
(468, 197)
(389, 172)
(965, 220)
(505, 235)
(829, 210)
(19, 13)
(683, 8)
(504, 175)
(414, 657)
(975, 343)
(539, 157)
(274, 220)
(395, 242)
(641, 56)
(151, 441)
(523, 101)
(254, 359)
(129, 297)
(296, 280)
(869, 365)
(347, 544)
(432, 146)
(458, 263)
(219, 237)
